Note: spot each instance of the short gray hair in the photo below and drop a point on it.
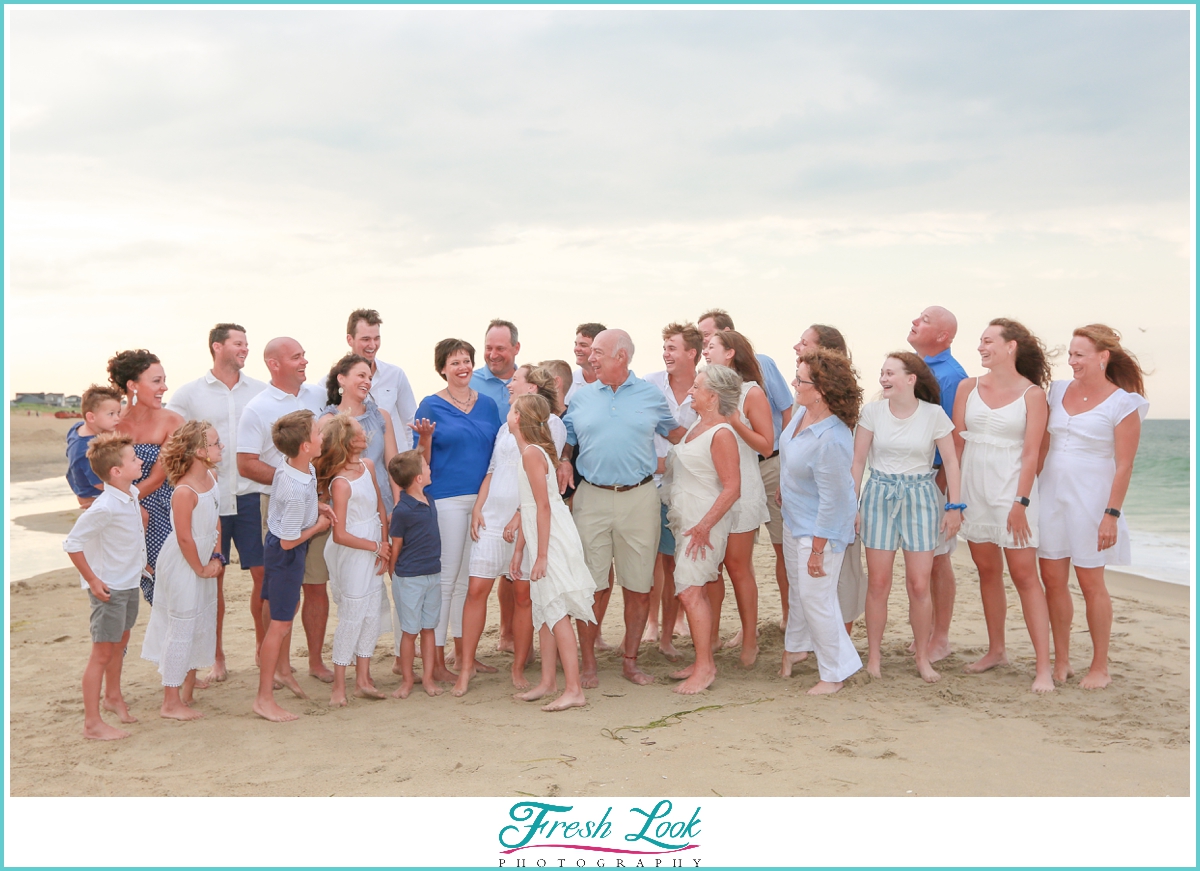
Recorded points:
(726, 384)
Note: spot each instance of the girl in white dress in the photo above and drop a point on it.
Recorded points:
(356, 552)
(182, 633)
(702, 482)
(1092, 438)
(999, 420)
(756, 437)
(901, 505)
(561, 586)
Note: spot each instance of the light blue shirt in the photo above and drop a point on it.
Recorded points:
(948, 373)
(496, 389)
(815, 480)
(615, 430)
(779, 395)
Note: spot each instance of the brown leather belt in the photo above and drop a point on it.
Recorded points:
(763, 459)
(621, 488)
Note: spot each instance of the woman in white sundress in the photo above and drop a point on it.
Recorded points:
(1092, 438)
(182, 633)
(999, 419)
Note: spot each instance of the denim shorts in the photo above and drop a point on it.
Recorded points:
(418, 601)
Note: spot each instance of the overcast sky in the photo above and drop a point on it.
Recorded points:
(174, 168)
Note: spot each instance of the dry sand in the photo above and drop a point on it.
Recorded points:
(752, 734)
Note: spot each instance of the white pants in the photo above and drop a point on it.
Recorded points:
(454, 526)
(814, 614)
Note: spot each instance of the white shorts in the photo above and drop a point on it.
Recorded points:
(490, 556)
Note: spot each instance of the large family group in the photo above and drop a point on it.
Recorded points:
(564, 482)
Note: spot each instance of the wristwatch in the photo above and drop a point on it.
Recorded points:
(1023, 500)
(1114, 512)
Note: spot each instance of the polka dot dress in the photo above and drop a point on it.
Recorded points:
(158, 506)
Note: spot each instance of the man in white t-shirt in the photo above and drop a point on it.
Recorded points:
(390, 389)
(219, 397)
(258, 458)
(585, 334)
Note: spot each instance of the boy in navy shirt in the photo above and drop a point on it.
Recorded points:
(101, 408)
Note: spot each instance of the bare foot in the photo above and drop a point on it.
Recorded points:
(631, 672)
(825, 688)
(536, 692)
(104, 732)
(989, 661)
(187, 697)
(403, 690)
(461, 685)
(790, 659)
(939, 652)
(683, 673)
(338, 698)
(270, 710)
(321, 673)
(927, 673)
(519, 680)
(873, 666)
(1063, 671)
(396, 669)
(119, 708)
(292, 684)
(601, 644)
(1044, 683)
(589, 679)
(505, 645)
(650, 633)
(1095, 679)
(566, 700)
(201, 683)
(700, 680)
(667, 649)
(217, 674)
(485, 669)
(178, 711)
(367, 692)
(443, 673)
(748, 657)
(431, 688)
(732, 643)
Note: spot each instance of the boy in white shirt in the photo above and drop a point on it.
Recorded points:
(108, 547)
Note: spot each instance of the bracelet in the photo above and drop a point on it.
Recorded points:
(818, 552)
(956, 506)
(1113, 512)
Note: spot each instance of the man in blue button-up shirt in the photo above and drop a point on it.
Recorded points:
(500, 347)
(616, 509)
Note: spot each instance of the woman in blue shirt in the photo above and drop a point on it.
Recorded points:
(816, 488)
(457, 427)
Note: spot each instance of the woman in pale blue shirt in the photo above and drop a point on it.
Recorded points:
(817, 495)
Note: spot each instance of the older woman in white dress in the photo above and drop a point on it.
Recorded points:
(1087, 461)
(703, 483)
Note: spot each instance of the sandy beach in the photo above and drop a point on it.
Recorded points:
(752, 734)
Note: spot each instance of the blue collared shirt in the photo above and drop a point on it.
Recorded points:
(615, 430)
(948, 373)
(494, 388)
(779, 395)
(815, 480)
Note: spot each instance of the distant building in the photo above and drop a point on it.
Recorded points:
(54, 399)
(73, 401)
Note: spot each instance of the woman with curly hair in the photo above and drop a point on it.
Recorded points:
(817, 495)
(140, 376)
(999, 421)
(1091, 440)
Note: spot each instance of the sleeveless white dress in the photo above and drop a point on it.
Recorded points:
(354, 586)
(694, 487)
(750, 511)
(567, 589)
(991, 469)
(1077, 479)
(182, 632)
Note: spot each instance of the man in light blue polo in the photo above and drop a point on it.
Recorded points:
(932, 332)
(616, 509)
(500, 347)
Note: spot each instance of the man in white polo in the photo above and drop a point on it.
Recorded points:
(390, 389)
(585, 334)
(258, 458)
(219, 397)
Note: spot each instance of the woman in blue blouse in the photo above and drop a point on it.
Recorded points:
(457, 427)
(817, 496)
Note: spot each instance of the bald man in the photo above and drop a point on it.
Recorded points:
(257, 460)
(932, 333)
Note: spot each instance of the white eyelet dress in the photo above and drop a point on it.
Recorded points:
(750, 511)
(353, 583)
(182, 632)
(694, 488)
(991, 469)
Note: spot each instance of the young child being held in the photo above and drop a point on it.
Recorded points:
(101, 410)
(416, 568)
(294, 517)
(561, 586)
(182, 633)
(108, 547)
(356, 552)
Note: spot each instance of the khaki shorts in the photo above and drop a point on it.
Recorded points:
(315, 570)
(619, 530)
(769, 470)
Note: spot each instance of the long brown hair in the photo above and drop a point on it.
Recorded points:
(543, 380)
(835, 378)
(744, 362)
(832, 338)
(1031, 353)
(927, 388)
(533, 412)
(336, 435)
(1122, 368)
(179, 451)
(333, 390)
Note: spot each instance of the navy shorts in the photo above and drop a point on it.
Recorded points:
(245, 530)
(283, 575)
(666, 538)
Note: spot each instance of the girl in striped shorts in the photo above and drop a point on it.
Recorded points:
(900, 504)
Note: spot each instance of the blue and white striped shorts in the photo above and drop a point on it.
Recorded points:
(901, 511)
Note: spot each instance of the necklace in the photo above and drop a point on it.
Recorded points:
(464, 406)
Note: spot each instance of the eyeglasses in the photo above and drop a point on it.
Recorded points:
(798, 381)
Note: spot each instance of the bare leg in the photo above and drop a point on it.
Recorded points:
(1056, 574)
(637, 606)
(187, 691)
(564, 637)
(879, 588)
(703, 670)
(670, 609)
(314, 614)
(269, 655)
(218, 672)
(259, 614)
(602, 609)
(1099, 609)
(337, 698)
(589, 674)
(114, 701)
(364, 687)
(651, 633)
(917, 568)
(739, 561)
(1022, 567)
(437, 662)
(716, 601)
(990, 563)
(473, 618)
(93, 724)
(781, 581)
(408, 650)
(507, 611)
(549, 682)
(174, 708)
(284, 675)
(942, 593)
(522, 631)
